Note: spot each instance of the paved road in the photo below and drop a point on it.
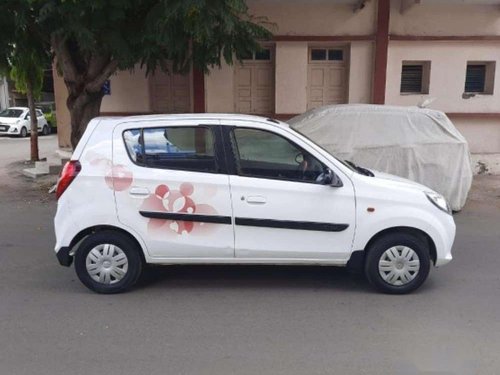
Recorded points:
(243, 320)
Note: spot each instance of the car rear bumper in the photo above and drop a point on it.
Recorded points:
(63, 256)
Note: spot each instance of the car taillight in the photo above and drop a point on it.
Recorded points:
(68, 174)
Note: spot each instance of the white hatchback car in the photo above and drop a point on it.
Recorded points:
(16, 121)
(237, 189)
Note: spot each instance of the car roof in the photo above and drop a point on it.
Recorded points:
(19, 108)
(194, 116)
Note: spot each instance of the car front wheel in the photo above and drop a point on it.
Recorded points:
(108, 262)
(23, 133)
(398, 263)
(46, 130)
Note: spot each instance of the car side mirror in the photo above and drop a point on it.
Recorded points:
(330, 178)
(336, 181)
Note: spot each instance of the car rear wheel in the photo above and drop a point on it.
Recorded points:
(108, 262)
(46, 130)
(398, 263)
(23, 133)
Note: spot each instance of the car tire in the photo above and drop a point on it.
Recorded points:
(24, 132)
(398, 263)
(108, 262)
(46, 130)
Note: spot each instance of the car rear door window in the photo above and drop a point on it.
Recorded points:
(264, 154)
(180, 148)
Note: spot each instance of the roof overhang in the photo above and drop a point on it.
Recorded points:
(407, 4)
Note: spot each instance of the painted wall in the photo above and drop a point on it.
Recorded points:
(447, 74)
(62, 113)
(318, 17)
(482, 134)
(445, 19)
(360, 72)
(219, 89)
(291, 77)
(129, 92)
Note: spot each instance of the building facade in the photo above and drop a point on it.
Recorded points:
(398, 52)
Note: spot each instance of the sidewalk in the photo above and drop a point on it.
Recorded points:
(15, 151)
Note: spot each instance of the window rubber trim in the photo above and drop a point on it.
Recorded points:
(220, 162)
(231, 157)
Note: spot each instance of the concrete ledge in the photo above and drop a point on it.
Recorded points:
(42, 166)
(64, 153)
(486, 164)
(34, 173)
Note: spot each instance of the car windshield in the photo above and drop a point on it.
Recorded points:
(347, 165)
(9, 112)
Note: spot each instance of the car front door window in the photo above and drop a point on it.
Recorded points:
(264, 154)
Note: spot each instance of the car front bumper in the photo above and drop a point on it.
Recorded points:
(446, 237)
(8, 129)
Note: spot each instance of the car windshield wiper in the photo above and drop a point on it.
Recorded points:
(361, 170)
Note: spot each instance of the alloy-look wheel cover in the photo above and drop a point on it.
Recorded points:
(106, 264)
(399, 265)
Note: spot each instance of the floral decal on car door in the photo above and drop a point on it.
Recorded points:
(181, 200)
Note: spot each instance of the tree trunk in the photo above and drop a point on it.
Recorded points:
(34, 123)
(83, 107)
(84, 75)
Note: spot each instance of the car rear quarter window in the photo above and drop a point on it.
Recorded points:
(133, 144)
(180, 148)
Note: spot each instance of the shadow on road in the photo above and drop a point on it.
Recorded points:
(251, 276)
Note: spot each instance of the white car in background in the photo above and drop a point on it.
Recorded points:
(236, 189)
(16, 121)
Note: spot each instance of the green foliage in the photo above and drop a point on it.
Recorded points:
(51, 118)
(201, 32)
(92, 39)
(23, 53)
(27, 70)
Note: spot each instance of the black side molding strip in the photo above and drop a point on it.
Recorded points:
(263, 223)
(187, 217)
(288, 224)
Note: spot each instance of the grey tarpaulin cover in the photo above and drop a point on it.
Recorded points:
(419, 144)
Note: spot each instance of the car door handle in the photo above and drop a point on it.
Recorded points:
(256, 199)
(139, 191)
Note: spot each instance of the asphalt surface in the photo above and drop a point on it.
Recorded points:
(240, 320)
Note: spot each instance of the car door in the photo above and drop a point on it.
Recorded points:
(280, 211)
(171, 187)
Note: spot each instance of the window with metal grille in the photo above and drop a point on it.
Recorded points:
(475, 78)
(411, 78)
(415, 77)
